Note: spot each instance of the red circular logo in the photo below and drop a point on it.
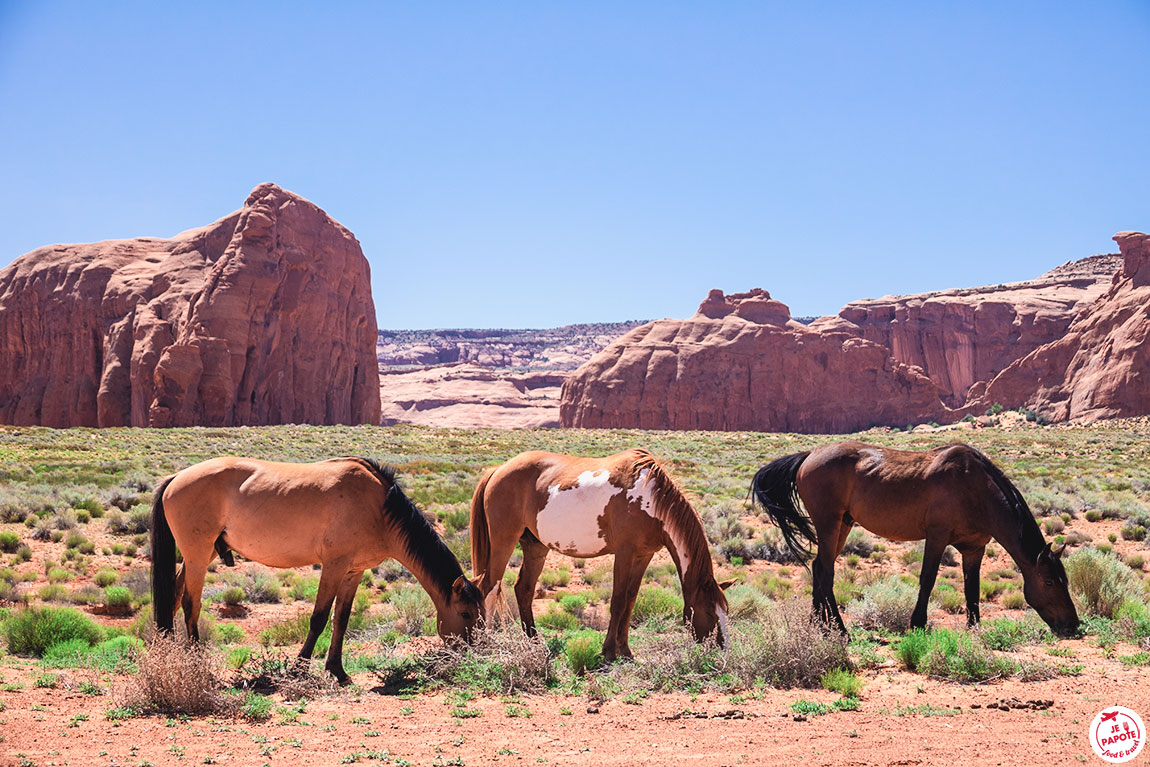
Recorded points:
(1117, 734)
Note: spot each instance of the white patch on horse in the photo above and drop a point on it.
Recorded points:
(642, 492)
(722, 625)
(569, 522)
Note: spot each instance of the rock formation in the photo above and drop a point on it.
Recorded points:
(741, 364)
(961, 337)
(262, 317)
(1100, 368)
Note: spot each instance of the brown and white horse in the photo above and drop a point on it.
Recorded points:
(625, 504)
(347, 514)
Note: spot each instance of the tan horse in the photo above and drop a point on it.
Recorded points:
(346, 514)
(950, 495)
(625, 504)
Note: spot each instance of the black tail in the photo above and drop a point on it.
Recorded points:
(163, 564)
(774, 488)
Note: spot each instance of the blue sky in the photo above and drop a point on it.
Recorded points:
(536, 164)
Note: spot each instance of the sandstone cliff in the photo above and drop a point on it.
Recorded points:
(1100, 368)
(262, 317)
(741, 364)
(961, 337)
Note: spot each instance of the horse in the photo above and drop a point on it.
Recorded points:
(624, 504)
(949, 495)
(346, 514)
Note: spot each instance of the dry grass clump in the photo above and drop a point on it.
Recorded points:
(176, 677)
(886, 604)
(786, 648)
(294, 678)
(500, 660)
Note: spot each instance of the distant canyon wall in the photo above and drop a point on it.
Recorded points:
(262, 317)
(741, 363)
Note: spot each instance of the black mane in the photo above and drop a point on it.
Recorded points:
(1029, 532)
(426, 549)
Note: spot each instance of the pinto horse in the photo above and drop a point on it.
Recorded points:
(625, 504)
(950, 495)
(346, 514)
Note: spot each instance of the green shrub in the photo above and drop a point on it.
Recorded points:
(886, 604)
(412, 606)
(951, 599)
(229, 633)
(115, 654)
(9, 541)
(574, 604)
(117, 596)
(232, 595)
(105, 576)
(256, 707)
(1100, 582)
(558, 620)
(842, 681)
(1133, 532)
(746, 603)
(23, 553)
(584, 652)
(656, 602)
(555, 578)
(30, 631)
(951, 655)
(1006, 634)
(305, 589)
(1014, 600)
(859, 542)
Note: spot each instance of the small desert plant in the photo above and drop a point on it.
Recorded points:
(859, 542)
(9, 541)
(412, 606)
(886, 604)
(497, 661)
(30, 631)
(951, 599)
(1014, 599)
(656, 602)
(583, 652)
(951, 655)
(1100, 582)
(558, 620)
(842, 681)
(1006, 634)
(117, 597)
(105, 577)
(1133, 532)
(232, 596)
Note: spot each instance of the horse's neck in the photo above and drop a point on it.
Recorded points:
(688, 548)
(435, 577)
(1022, 540)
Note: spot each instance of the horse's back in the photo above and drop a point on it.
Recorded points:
(894, 493)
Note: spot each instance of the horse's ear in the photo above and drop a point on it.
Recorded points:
(459, 585)
(1058, 552)
(727, 584)
(478, 579)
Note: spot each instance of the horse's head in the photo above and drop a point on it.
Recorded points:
(706, 611)
(1045, 589)
(464, 609)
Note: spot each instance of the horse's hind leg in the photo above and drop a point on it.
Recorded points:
(634, 581)
(936, 541)
(971, 575)
(823, 572)
(534, 558)
(195, 571)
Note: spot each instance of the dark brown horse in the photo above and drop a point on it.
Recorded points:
(950, 495)
(347, 514)
(625, 504)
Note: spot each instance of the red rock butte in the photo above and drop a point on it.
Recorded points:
(263, 317)
(1070, 344)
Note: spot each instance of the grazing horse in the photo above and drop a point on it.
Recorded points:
(346, 514)
(625, 504)
(950, 495)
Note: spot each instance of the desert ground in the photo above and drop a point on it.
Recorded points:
(74, 536)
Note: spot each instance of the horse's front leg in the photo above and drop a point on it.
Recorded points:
(329, 580)
(971, 586)
(634, 581)
(620, 609)
(936, 541)
(345, 598)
